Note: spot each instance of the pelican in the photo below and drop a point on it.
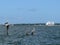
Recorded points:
(32, 32)
(7, 27)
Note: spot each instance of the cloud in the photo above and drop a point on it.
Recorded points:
(25, 9)
(32, 10)
(20, 9)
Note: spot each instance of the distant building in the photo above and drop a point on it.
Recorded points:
(50, 23)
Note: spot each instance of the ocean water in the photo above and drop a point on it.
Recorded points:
(43, 35)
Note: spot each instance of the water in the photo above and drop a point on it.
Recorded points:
(43, 35)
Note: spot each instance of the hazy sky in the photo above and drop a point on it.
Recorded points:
(29, 11)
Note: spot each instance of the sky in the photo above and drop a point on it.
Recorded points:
(29, 11)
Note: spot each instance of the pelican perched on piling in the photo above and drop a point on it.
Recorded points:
(7, 27)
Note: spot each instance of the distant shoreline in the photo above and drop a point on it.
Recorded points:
(32, 24)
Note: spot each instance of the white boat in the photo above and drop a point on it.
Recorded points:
(50, 23)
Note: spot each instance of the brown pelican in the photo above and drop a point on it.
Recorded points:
(32, 32)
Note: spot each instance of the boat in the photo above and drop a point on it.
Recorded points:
(49, 23)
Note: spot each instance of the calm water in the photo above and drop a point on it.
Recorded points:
(43, 35)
